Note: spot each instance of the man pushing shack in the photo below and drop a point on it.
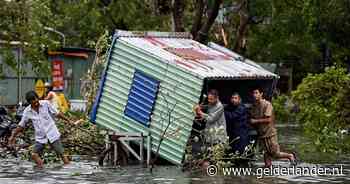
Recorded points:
(40, 113)
(215, 131)
(263, 120)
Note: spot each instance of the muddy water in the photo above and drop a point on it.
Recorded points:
(15, 171)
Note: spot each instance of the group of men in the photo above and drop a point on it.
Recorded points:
(235, 120)
(221, 122)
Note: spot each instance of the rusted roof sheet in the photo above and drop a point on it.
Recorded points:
(206, 62)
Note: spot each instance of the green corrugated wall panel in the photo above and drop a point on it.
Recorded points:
(123, 61)
(186, 92)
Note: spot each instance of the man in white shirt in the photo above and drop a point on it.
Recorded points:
(40, 114)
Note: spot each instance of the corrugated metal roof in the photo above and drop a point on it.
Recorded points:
(214, 63)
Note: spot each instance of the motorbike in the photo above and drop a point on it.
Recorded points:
(7, 125)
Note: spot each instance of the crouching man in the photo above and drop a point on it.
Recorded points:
(40, 114)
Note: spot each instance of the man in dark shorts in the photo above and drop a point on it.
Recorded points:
(40, 114)
(263, 120)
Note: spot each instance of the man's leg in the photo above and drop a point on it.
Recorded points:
(58, 148)
(65, 160)
(283, 155)
(267, 160)
(38, 148)
(39, 162)
(267, 152)
(274, 149)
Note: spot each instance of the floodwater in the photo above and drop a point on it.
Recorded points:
(80, 171)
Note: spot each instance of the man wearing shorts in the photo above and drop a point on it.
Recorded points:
(263, 120)
(40, 114)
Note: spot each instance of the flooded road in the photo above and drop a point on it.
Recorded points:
(16, 171)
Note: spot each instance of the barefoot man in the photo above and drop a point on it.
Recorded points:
(40, 114)
(263, 121)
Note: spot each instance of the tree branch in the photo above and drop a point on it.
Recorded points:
(202, 35)
(197, 21)
(243, 24)
(178, 7)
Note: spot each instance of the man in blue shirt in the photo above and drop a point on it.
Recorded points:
(236, 123)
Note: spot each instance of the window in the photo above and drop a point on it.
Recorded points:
(142, 97)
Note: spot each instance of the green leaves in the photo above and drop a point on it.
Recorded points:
(324, 108)
(81, 22)
(279, 31)
(283, 106)
(23, 21)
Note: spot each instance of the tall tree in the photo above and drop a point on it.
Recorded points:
(201, 21)
(20, 23)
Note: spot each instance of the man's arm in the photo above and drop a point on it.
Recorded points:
(14, 134)
(49, 96)
(214, 116)
(19, 128)
(57, 113)
(268, 116)
(266, 120)
(238, 113)
(60, 115)
(243, 115)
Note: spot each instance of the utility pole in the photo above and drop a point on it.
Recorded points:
(59, 33)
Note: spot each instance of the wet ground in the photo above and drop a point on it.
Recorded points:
(16, 171)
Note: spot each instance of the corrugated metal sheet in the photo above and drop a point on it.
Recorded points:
(197, 58)
(142, 96)
(180, 65)
(177, 86)
(75, 69)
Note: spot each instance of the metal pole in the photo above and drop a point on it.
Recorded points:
(149, 148)
(107, 141)
(115, 159)
(141, 148)
(57, 32)
(19, 85)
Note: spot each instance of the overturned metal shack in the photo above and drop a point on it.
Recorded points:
(152, 78)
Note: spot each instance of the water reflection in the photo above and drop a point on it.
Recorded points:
(15, 171)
